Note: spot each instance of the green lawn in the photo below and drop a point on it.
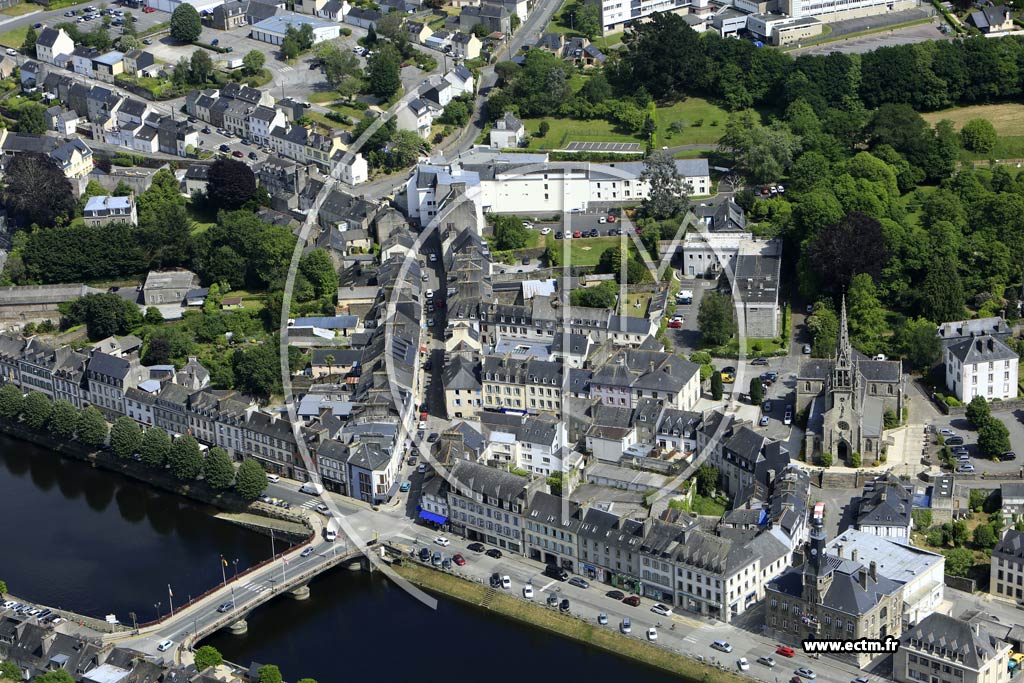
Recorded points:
(564, 131)
(630, 308)
(691, 112)
(707, 506)
(585, 252)
(1007, 147)
(324, 121)
(19, 10)
(14, 38)
(322, 96)
(912, 202)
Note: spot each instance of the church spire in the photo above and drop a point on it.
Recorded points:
(843, 349)
(843, 369)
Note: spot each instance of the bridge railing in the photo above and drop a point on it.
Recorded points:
(238, 577)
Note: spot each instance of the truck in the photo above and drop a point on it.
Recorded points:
(684, 296)
(233, 63)
(312, 488)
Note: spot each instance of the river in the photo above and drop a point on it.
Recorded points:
(98, 543)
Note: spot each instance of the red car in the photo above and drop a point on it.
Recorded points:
(459, 560)
(577, 234)
(785, 651)
(632, 600)
(675, 324)
(237, 153)
(611, 218)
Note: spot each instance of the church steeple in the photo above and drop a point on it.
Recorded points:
(843, 371)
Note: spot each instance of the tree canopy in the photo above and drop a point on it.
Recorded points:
(716, 318)
(186, 26)
(37, 192)
(230, 184)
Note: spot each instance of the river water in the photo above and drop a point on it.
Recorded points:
(98, 543)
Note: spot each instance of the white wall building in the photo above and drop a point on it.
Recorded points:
(981, 366)
(273, 30)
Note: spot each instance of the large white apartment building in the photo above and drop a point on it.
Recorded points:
(981, 366)
(615, 15)
(840, 10)
(505, 183)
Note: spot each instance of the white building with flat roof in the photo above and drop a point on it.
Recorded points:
(273, 29)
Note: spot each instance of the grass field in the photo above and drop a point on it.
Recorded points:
(629, 306)
(1008, 119)
(14, 38)
(690, 112)
(564, 131)
(20, 10)
(1008, 147)
(585, 251)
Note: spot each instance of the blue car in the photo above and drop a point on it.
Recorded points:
(404, 487)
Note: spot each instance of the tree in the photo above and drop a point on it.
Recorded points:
(667, 196)
(63, 419)
(32, 119)
(383, 72)
(390, 26)
(269, 674)
(543, 128)
(28, 46)
(339, 67)
(600, 296)
(316, 266)
(155, 447)
(207, 656)
(290, 47)
(253, 62)
(230, 184)
(218, 471)
(866, 315)
(509, 232)
(257, 370)
(716, 385)
(716, 319)
(57, 676)
(11, 402)
(37, 409)
(993, 438)
(37, 191)
(92, 428)
(756, 391)
(185, 458)
(853, 245)
(186, 26)
(984, 536)
(978, 135)
(251, 479)
(8, 669)
(765, 151)
(707, 480)
(200, 67)
(104, 315)
(959, 561)
(958, 533)
(125, 437)
(586, 20)
(978, 411)
(942, 293)
(153, 316)
(916, 339)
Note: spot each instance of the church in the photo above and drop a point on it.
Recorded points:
(848, 396)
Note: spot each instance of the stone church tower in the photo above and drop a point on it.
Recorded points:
(843, 424)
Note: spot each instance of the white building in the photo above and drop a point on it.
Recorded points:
(840, 10)
(273, 30)
(921, 572)
(263, 120)
(505, 183)
(351, 168)
(944, 648)
(508, 131)
(981, 366)
(615, 15)
(52, 43)
(418, 116)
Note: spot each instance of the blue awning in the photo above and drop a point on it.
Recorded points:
(433, 517)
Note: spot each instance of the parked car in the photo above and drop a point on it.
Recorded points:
(1008, 455)
(494, 552)
(506, 582)
(767, 661)
(558, 235)
(759, 361)
(238, 153)
(632, 601)
(556, 572)
(652, 634)
(966, 468)
(495, 580)
(552, 600)
(763, 421)
(273, 478)
(545, 231)
(807, 349)
(766, 407)
(743, 664)
(955, 441)
(459, 560)
(578, 582)
(564, 605)
(424, 554)
(615, 595)
(476, 547)
(722, 646)
(788, 417)
(404, 488)
(331, 536)
(224, 148)
(785, 651)
(804, 672)
(436, 559)
(442, 541)
(528, 592)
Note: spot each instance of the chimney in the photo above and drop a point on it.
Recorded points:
(991, 344)
(873, 570)
(977, 628)
(863, 576)
(839, 550)
(853, 555)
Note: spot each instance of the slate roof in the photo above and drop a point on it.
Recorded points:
(845, 593)
(488, 480)
(109, 366)
(885, 502)
(1011, 546)
(983, 349)
(953, 640)
(462, 373)
(368, 456)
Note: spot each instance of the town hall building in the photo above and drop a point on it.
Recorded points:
(848, 397)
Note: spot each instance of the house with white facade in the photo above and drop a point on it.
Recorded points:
(53, 43)
(981, 366)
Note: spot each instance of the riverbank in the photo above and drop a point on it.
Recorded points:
(602, 637)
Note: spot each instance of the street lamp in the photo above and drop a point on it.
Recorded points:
(235, 561)
(157, 606)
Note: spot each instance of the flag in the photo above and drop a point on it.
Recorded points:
(169, 591)
(225, 562)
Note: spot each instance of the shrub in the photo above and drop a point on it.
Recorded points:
(826, 459)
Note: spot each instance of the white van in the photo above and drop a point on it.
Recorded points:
(312, 488)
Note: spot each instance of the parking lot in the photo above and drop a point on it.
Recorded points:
(1014, 422)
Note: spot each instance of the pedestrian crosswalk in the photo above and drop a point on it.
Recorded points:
(285, 68)
(255, 587)
(308, 505)
(689, 639)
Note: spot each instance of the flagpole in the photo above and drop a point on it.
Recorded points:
(170, 596)
(223, 574)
